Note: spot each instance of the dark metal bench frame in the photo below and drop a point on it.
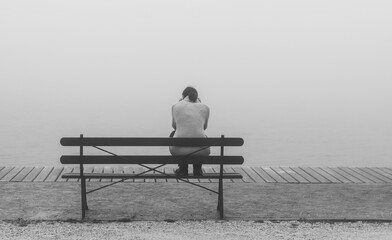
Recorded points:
(143, 160)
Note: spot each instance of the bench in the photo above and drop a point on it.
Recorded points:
(151, 163)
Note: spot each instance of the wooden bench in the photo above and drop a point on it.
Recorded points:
(150, 162)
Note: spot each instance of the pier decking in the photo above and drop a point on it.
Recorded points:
(265, 193)
(251, 174)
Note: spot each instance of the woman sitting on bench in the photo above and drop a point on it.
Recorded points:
(190, 119)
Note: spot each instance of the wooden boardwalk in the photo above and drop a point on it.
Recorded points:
(293, 175)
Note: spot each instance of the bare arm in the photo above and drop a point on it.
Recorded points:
(207, 117)
(173, 122)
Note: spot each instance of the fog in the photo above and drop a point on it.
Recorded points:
(297, 67)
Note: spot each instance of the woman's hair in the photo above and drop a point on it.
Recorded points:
(191, 93)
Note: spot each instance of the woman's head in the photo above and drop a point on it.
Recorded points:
(191, 93)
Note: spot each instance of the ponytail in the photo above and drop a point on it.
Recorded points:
(191, 93)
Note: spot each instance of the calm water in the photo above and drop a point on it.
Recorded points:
(273, 137)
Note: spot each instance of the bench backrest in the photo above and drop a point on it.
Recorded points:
(150, 141)
(97, 142)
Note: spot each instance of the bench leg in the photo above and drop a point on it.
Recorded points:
(84, 197)
(220, 195)
(220, 199)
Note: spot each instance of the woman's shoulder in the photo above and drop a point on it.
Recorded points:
(178, 104)
(206, 106)
(184, 103)
(203, 107)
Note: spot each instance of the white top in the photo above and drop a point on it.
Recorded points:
(190, 119)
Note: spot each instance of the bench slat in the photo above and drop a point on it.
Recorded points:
(153, 159)
(148, 176)
(149, 141)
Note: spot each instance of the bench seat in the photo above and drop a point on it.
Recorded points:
(152, 176)
(151, 159)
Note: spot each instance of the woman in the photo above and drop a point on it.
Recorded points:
(190, 119)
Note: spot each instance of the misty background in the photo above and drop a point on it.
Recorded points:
(305, 83)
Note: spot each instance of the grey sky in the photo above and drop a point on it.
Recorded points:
(324, 53)
(293, 43)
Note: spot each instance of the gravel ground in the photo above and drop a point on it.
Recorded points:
(25, 230)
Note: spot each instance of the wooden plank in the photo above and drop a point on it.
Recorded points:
(203, 180)
(351, 178)
(264, 175)
(151, 176)
(274, 175)
(374, 176)
(55, 174)
(151, 159)
(295, 175)
(150, 172)
(319, 174)
(107, 169)
(138, 170)
(150, 141)
(43, 174)
(67, 169)
(128, 170)
(284, 175)
(387, 170)
(316, 175)
(88, 169)
(204, 172)
(356, 175)
(190, 172)
(245, 176)
(161, 169)
(305, 175)
(97, 169)
(253, 175)
(388, 177)
(11, 174)
(230, 170)
(217, 171)
(22, 174)
(33, 174)
(210, 170)
(170, 170)
(118, 170)
(74, 170)
(333, 174)
(214, 168)
(5, 171)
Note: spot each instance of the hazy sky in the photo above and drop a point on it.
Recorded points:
(248, 59)
(303, 51)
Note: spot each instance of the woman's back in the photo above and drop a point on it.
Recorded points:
(190, 118)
